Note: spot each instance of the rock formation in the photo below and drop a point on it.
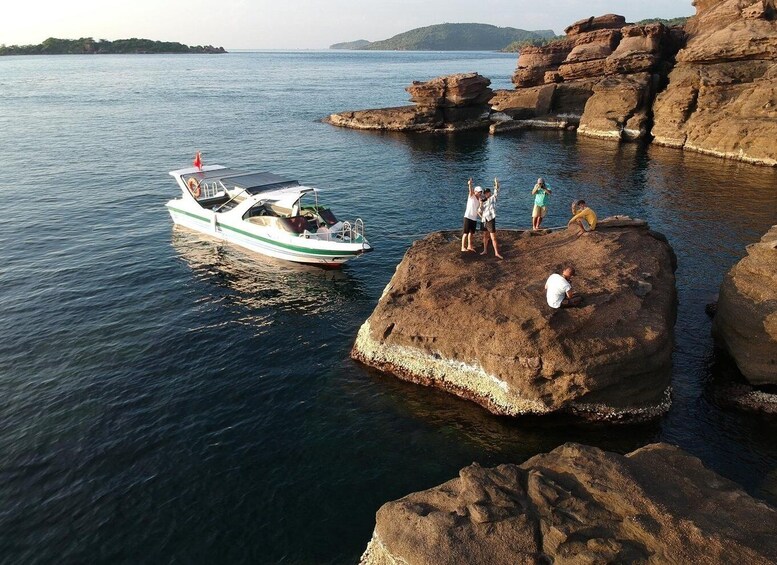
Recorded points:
(709, 87)
(448, 103)
(603, 77)
(746, 320)
(578, 504)
(722, 94)
(483, 330)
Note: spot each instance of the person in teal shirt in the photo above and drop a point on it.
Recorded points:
(540, 192)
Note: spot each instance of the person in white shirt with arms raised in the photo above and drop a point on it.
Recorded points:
(470, 216)
(559, 290)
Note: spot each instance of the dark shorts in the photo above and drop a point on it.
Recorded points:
(488, 225)
(469, 225)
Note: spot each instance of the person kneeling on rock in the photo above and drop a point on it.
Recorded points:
(559, 290)
(583, 217)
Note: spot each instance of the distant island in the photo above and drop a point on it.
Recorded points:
(358, 44)
(88, 46)
(451, 37)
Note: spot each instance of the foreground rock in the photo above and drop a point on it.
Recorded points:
(746, 320)
(722, 95)
(449, 103)
(482, 329)
(578, 504)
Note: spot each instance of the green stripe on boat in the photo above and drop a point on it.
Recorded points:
(306, 250)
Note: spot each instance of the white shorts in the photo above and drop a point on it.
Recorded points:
(539, 211)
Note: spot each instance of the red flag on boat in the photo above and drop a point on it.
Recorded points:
(198, 161)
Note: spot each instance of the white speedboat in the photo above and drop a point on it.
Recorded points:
(265, 213)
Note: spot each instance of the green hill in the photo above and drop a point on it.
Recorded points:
(457, 37)
(358, 44)
(88, 46)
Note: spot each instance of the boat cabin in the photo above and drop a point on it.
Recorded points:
(277, 201)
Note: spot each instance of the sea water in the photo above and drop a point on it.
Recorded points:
(167, 397)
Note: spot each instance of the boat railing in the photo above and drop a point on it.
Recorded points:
(353, 233)
(346, 232)
(211, 190)
(358, 229)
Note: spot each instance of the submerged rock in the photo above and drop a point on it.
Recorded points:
(745, 323)
(483, 330)
(579, 504)
(443, 104)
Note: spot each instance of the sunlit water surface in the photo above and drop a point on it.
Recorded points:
(165, 397)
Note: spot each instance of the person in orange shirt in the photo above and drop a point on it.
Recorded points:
(583, 217)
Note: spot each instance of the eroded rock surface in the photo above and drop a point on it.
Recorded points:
(722, 94)
(482, 329)
(448, 103)
(746, 320)
(603, 76)
(582, 505)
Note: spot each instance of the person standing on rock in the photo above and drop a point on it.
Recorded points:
(488, 219)
(470, 216)
(559, 291)
(540, 192)
(583, 217)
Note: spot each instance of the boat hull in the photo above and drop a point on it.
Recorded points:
(280, 246)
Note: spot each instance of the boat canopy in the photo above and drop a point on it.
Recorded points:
(288, 200)
(252, 183)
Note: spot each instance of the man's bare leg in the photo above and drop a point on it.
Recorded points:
(485, 243)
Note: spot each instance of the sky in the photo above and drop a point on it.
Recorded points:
(295, 24)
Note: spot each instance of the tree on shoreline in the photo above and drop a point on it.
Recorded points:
(88, 46)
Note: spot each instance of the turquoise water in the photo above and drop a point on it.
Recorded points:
(165, 397)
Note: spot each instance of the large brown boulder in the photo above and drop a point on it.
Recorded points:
(535, 62)
(579, 505)
(746, 320)
(620, 107)
(524, 103)
(641, 49)
(465, 89)
(588, 58)
(722, 94)
(607, 21)
(483, 330)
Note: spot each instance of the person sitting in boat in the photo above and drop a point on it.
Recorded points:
(583, 217)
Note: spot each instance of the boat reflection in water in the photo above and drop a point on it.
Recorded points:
(263, 285)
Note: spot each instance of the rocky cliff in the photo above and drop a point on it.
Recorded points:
(746, 320)
(722, 94)
(578, 504)
(603, 77)
(482, 329)
(710, 86)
